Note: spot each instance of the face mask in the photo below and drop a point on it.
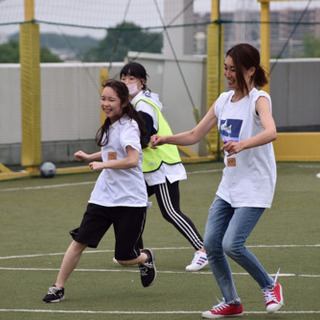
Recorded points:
(133, 89)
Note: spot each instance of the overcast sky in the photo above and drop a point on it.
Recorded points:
(111, 12)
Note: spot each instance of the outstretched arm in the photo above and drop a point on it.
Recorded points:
(188, 137)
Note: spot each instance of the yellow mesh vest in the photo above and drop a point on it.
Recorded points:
(168, 153)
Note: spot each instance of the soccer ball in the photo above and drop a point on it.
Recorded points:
(48, 170)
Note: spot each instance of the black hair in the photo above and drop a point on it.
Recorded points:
(136, 70)
(123, 94)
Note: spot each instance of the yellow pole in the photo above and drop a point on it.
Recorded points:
(265, 38)
(30, 91)
(29, 10)
(103, 78)
(215, 53)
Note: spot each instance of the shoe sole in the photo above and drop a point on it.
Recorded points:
(198, 267)
(221, 316)
(54, 301)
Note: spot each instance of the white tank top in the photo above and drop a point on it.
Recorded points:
(249, 177)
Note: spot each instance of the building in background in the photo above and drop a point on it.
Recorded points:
(244, 26)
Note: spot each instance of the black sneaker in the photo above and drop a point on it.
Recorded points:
(54, 294)
(148, 272)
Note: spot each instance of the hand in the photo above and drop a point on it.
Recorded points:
(80, 156)
(96, 166)
(232, 147)
(156, 141)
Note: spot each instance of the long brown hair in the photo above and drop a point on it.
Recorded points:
(245, 56)
(123, 94)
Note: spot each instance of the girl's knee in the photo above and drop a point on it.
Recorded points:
(231, 249)
(213, 248)
(77, 246)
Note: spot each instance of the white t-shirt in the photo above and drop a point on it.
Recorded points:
(173, 173)
(121, 187)
(249, 177)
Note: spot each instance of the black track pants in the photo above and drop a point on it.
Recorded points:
(168, 198)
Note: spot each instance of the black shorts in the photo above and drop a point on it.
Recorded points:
(128, 224)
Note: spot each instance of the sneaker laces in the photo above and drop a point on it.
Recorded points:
(53, 290)
(276, 277)
(268, 293)
(195, 258)
(148, 264)
(220, 306)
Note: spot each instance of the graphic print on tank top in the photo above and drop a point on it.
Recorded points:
(230, 129)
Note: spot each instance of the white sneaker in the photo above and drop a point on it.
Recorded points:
(199, 261)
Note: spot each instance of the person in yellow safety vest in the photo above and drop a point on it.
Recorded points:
(162, 167)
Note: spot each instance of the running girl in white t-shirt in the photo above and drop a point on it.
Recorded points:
(119, 197)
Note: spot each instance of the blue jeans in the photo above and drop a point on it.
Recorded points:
(226, 232)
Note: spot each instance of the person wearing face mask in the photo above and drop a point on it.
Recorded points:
(162, 167)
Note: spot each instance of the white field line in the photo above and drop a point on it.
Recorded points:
(48, 187)
(143, 312)
(130, 270)
(163, 248)
(84, 183)
(126, 269)
(92, 182)
(310, 166)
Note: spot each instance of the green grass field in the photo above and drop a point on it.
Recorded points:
(36, 215)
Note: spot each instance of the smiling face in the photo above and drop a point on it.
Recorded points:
(111, 104)
(241, 82)
(229, 71)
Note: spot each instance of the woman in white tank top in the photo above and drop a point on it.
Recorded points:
(243, 116)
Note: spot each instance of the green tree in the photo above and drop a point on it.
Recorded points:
(123, 38)
(9, 53)
(47, 56)
(311, 46)
(78, 45)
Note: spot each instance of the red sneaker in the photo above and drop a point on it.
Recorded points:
(273, 298)
(223, 310)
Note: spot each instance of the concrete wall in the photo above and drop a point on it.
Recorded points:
(71, 112)
(295, 91)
